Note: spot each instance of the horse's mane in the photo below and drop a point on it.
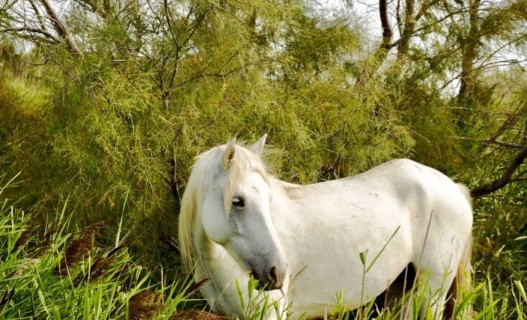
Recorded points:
(206, 169)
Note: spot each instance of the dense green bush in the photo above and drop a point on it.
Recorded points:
(103, 132)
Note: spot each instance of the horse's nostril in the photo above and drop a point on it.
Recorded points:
(271, 275)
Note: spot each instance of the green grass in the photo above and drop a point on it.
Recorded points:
(50, 272)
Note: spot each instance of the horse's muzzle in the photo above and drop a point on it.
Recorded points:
(271, 280)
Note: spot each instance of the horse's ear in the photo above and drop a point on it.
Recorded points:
(228, 154)
(258, 147)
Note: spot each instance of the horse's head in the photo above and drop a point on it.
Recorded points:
(236, 213)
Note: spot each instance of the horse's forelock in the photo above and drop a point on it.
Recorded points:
(243, 163)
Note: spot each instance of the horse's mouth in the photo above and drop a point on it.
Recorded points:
(264, 285)
(259, 285)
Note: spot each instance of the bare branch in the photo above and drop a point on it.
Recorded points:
(61, 29)
(384, 47)
(505, 179)
(38, 15)
(29, 34)
(507, 144)
(169, 82)
(511, 120)
(195, 27)
(94, 6)
(490, 142)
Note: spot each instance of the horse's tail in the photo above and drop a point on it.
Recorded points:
(466, 192)
(460, 288)
(465, 267)
(463, 282)
(464, 273)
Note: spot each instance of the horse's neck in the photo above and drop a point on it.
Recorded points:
(219, 270)
(288, 199)
(213, 260)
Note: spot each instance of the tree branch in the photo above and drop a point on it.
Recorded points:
(408, 27)
(30, 34)
(38, 15)
(490, 142)
(381, 52)
(505, 179)
(385, 23)
(61, 29)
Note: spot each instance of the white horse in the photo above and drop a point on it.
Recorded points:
(306, 245)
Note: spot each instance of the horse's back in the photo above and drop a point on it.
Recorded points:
(410, 181)
(432, 199)
(436, 192)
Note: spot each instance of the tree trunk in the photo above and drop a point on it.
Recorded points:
(407, 29)
(469, 51)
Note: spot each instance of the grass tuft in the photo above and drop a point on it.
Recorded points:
(48, 272)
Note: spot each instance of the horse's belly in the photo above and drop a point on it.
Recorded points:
(348, 273)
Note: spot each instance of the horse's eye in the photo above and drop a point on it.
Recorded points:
(238, 202)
